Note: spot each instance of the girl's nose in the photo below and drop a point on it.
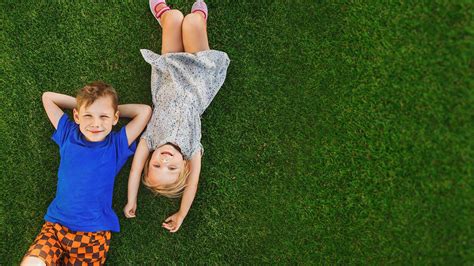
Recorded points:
(165, 160)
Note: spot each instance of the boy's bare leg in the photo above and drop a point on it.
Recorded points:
(32, 261)
(195, 33)
(171, 40)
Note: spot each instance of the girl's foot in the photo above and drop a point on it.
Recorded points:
(200, 6)
(158, 8)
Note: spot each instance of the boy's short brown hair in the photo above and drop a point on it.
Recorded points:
(95, 90)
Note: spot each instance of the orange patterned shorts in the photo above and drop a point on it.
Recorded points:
(57, 244)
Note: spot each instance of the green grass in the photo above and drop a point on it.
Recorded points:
(343, 133)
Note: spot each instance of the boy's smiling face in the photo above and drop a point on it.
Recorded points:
(96, 120)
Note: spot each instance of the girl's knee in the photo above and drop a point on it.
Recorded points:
(172, 18)
(194, 21)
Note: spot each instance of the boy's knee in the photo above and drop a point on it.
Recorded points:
(32, 261)
(173, 18)
(194, 21)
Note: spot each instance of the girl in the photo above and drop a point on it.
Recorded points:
(184, 80)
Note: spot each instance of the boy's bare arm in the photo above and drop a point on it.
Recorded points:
(53, 104)
(140, 114)
(141, 155)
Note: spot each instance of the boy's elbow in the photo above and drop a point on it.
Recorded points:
(45, 95)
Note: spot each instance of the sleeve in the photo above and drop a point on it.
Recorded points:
(148, 133)
(198, 148)
(64, 129)
(146, 137)
(123, 149)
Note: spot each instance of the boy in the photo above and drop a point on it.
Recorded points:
(80, 219)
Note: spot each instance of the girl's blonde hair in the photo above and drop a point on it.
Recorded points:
(174, 190)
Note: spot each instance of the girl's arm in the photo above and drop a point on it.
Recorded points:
(140, 114)
(191, 185)
(141, 155)
(53, 104)
(173, 222)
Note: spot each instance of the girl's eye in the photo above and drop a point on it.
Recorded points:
(156, 165)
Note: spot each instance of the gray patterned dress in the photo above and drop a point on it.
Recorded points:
(182, 87)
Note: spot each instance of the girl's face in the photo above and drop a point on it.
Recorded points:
(166, 163)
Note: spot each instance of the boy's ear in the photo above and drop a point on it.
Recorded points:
(116, 117)
(75, 115)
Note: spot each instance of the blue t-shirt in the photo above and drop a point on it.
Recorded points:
(86, 178)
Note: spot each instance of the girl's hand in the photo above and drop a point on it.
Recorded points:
(173, 222)
(129, 209)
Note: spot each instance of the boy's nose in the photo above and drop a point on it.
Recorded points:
(95, 123)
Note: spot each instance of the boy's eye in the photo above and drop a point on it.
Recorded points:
(87, 116)
(104, 116)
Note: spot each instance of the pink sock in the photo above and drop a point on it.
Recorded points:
(161, 12)
(153, 6)
(200, 6)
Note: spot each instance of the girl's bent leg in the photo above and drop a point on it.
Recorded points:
(172, 40)
(195, 33)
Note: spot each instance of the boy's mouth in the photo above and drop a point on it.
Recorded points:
(95, 131)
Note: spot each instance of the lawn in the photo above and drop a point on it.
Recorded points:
(342, 134)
